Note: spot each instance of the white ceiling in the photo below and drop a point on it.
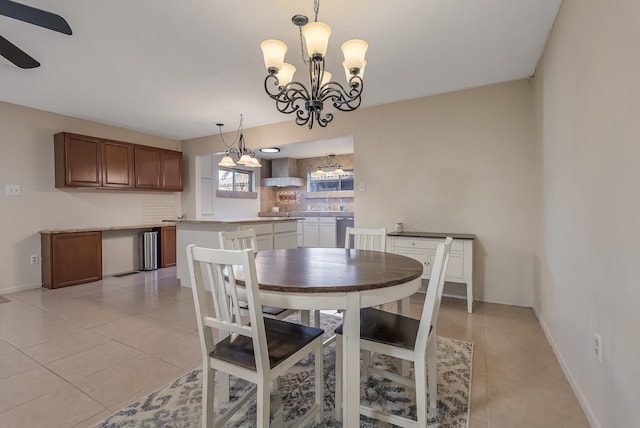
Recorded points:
(176, 67)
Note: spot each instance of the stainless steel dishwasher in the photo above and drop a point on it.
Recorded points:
(341, 228)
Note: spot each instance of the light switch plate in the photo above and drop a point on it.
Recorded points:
(13, 190)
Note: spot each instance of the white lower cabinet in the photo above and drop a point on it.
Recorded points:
(327, 232)
(300, 233)
(319, 232)
(310, 232)
(276, 235)
(285, 235)
(460, 267)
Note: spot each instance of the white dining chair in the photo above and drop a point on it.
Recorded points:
(366, 239)
(406, 338)
(246, 239)
(243, 239)
(257, 350)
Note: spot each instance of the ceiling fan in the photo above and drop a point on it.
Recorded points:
(34, 16)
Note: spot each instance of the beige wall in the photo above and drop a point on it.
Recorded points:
(26, 158)
(460, 162)
(589, 97)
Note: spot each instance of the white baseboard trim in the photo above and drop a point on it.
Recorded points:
(586, 408)
(20, 288)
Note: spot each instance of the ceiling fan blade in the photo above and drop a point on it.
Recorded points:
(16, 55)
(34, 16)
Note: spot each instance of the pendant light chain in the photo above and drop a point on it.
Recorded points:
(235, 139)
(316, 8)
(304, 58)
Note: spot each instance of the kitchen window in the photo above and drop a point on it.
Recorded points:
(330, 182)
(235, 183)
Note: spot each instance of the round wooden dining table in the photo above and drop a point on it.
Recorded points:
(335, 278)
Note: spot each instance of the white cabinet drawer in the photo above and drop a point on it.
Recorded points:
(327, 220)
(427, 244)
(260, 228)
(285, 226)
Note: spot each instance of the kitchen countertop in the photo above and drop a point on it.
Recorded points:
(306, 214)
(409, 234)
(107, 228)
(247, 220)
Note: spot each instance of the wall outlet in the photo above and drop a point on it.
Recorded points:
(13, 190)
(35, 259)
(597, 347)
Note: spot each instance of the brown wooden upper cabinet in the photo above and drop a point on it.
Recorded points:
(147, 167)
(78, 160)
(170, 170)
(117, 164)
(83, 161)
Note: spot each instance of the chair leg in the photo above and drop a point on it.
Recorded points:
(316, 318)
(338, 380)
(421, 391)
(432, 368)
(208, 394)
(223, 386)
(366, 363)
(319, 382)
(304, 317)
(263, 404)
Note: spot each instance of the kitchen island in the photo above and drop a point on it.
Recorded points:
(271, 233)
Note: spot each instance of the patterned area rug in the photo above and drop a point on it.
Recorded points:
(177, 404)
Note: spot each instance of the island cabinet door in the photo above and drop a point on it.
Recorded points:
(71, 258)
(285, 235)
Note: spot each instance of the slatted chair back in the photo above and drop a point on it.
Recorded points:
(213, 269)
(238, 240)
(366, 239)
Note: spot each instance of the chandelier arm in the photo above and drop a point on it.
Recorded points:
(328, 117)
(303, 117)
(289, 99)
(341, 99)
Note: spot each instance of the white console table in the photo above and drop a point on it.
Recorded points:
(421, 246)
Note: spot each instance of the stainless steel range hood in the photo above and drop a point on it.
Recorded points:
(283, 174)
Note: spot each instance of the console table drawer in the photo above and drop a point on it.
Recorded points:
(426, 244)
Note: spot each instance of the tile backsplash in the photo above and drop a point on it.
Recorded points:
(294, 198)
(156, 210)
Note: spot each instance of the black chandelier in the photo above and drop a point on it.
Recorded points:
(308, 103)
(328, 163)
(243, 155)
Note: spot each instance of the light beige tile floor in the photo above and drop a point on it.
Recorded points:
(72, 356)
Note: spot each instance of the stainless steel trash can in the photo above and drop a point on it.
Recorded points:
(149, 250)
